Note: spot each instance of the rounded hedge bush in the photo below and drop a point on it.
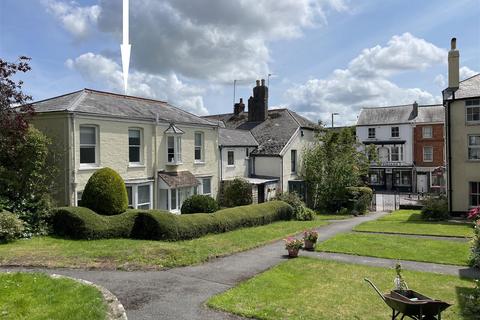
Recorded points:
(359, 199)
(199, 204)
(105, 193)
(237, 192)
(11, 227)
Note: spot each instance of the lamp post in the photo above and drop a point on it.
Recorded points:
(334, 114)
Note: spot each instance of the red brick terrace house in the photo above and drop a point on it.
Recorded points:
(428, 148)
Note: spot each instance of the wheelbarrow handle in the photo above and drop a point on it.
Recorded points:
(376, 289)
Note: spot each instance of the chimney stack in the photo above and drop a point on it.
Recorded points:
(414, 110)
(453, 65)
(258, 103)
(239, 107)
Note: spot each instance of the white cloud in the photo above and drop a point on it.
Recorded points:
(75, 19)
(214, 40)
(99, 69)
(466, 72)
(440, 81)
(402, 53)
(365, 82)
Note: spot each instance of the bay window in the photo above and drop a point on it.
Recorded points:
(140, 196)
(174, 149)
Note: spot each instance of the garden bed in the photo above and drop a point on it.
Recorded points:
(311, 289)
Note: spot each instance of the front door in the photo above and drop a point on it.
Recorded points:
(261, 193)
(422, 183)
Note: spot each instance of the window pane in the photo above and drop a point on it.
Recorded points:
(198, 153)
(87, 135)
(87, 154)
(474, 187)
(129, 196)
(143, 194)
(198, 139)
(134, 154)
(173, 199)
(134, 137)
(231, 158)
(293, 156)
(171, 142)
(144, 206)
(474, 153)
(474, 140)
(207, 187)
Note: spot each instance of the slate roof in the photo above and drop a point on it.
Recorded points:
(468, 88)
(95, 102)
(429, 114)
(385, 115)
(272, 134)
(179, 179)
(236, 138)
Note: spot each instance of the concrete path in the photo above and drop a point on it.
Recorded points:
(180, 293)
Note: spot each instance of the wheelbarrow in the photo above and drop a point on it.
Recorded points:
(409, 303)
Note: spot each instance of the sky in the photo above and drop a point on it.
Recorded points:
(324, 56)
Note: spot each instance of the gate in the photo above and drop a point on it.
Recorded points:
(386, 202)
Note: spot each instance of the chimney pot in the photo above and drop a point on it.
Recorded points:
(263, 82)
(453, 65)
(453, 44)
(258, 83)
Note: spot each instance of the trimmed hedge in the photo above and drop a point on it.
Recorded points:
(160, 225)
(359, 199)
(83, 223)
(199, 203)
(105, 193)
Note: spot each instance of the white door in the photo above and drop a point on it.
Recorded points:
(422, 183)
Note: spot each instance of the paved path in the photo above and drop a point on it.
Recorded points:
(180, 293)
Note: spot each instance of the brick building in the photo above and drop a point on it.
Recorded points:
(428, 149)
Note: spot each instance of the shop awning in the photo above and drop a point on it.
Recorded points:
(178, 179)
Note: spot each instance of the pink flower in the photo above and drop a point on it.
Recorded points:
(474, 213)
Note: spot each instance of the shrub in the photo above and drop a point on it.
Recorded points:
(11, 227)
(159, 225)
(83, 223)
(471, 308)
(435, 208)
(300, 211)
(475, 254)
(199, 204)
(237, 192)
(105, 193)
(359, 199)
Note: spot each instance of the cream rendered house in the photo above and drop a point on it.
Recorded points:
(462, 124)
(164, 154)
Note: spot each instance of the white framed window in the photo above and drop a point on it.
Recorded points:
(395, 131)
(205, 186)
(427, 132)
(199, 141)
(371, 133)
(472, 110)
(140, 196)
(174, 149)
(437, 180)
(427, 154)
(88, 146)
(135, 146)
(395, 153)
(293, 160)
(474, 194)
(230, 158)
(474, 147)
(177, 197)
(79, 197)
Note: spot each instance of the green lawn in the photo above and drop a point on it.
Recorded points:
(313, 289)
(128, 254)
(409, 222)
(36, 296)
(398, 247)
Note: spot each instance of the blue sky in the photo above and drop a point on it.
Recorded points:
(325, 55)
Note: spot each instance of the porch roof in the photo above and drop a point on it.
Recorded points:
(178, 179)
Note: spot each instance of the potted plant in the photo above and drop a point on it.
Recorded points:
(293, 245)
(310, 239)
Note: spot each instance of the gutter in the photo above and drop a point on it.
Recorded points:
(72, 172)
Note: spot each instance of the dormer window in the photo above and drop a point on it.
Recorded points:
(174, 145)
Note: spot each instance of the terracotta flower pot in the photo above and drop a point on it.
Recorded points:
(293, 253)
(309, 245)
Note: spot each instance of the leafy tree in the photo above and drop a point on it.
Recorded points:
(237, 192)
(335, 162)
(26, 170)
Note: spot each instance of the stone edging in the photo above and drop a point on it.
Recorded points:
(115, 310)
